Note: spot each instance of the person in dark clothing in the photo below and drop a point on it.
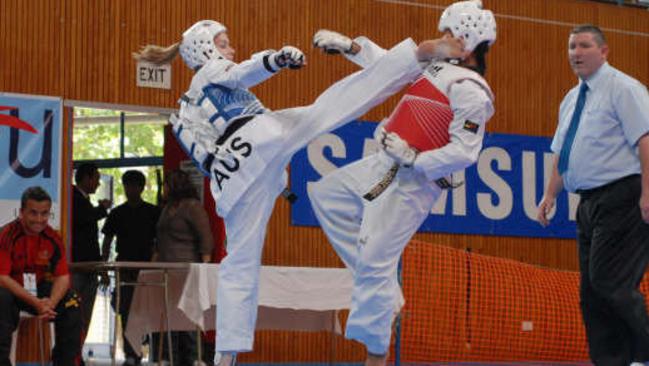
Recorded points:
(183, 235)
(134, 225)
(602, 154)
(34, 277)
(85, 241)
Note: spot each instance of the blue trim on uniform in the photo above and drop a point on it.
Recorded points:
(214, 117)
(200, 101)
(235, 112)
(218, 104)
(231, 103)
(190, 153)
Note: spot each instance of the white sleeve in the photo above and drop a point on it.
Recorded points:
(369, 52)
(631, 102)
(242, 75)
(472, 108)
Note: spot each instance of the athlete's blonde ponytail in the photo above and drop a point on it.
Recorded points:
(156, 54)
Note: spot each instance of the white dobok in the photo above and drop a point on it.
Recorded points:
(370, 209)
(244, 148)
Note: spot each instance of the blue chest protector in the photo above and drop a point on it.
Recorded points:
(231, 103)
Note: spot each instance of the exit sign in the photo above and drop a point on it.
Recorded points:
(148, 75)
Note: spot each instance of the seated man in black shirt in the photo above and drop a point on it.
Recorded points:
(134, 225)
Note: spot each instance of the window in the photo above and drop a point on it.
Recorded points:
(116, 141)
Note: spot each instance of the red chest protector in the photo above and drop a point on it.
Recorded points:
(422, 116)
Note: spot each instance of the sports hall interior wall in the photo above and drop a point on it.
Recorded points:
(81, 50)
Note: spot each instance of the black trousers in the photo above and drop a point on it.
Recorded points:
(126, 297)
(67, 326)
(613, 255)
(85, 285)
(184, 347)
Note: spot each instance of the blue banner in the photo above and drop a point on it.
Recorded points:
(30, 150)
(498, 197)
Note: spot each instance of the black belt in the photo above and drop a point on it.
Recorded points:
(587, 193)
(387, 179)
(383, 184)
(233, 127)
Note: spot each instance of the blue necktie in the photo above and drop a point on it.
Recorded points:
(564, 155)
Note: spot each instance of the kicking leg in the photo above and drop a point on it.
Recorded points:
(353, 96)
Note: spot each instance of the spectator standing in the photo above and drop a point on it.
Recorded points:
(85, 240)
(183, 235)
(133, 223)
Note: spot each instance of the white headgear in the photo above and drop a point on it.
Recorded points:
(197, 46)
(467, 20)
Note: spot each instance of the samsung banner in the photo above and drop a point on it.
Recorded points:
(30, 151)
(498, 197)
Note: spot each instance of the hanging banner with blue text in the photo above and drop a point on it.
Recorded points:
(498, 197)
(30, 151)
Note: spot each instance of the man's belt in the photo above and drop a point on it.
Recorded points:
(587, 193)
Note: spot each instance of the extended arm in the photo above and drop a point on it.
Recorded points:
(363, 52)
(258, 68)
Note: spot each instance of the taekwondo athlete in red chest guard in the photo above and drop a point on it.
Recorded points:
(371, 208)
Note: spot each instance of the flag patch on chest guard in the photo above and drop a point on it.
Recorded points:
(471, 126)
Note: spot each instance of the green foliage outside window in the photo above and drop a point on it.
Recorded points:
(101, 140)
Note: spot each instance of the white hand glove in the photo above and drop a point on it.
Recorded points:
(332, 42)
(398, 149)
(290, 57)
(379, 131)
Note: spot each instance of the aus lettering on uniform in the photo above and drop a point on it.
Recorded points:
(223, 169)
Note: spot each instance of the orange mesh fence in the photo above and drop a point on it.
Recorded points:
(468, 307)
